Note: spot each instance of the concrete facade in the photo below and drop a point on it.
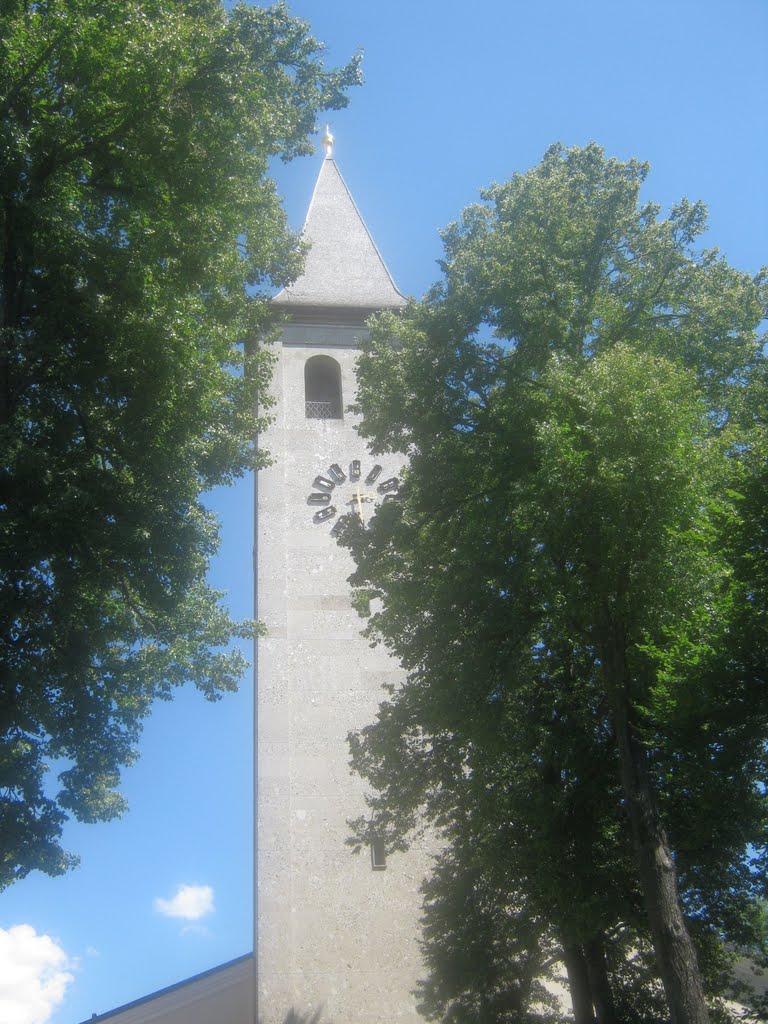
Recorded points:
(336, 939)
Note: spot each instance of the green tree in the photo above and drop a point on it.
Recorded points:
(138, 226)
(567, 579)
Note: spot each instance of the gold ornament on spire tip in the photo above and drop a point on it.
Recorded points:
(328, 142)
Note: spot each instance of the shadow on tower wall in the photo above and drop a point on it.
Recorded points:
(292, 1017)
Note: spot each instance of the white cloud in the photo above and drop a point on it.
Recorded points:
(190, 902)
(34, 974)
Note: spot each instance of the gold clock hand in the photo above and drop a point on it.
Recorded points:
(359, 498)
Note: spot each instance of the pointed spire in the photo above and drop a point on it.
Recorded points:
(343, 268)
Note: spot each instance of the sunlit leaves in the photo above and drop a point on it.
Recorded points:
(139, 235)
(581, 399)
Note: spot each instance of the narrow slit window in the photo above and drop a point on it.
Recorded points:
(378, 855)
(322, 388)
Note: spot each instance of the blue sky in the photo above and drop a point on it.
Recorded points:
(457, 95)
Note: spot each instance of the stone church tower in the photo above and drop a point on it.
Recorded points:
(336, 933)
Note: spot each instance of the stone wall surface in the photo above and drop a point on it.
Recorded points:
(336, 941)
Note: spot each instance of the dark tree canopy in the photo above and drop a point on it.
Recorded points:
(574, 580)
(138, 230)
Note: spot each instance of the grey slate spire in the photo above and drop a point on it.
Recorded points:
(343, 271)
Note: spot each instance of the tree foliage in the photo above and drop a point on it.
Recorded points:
(574, 578)
(138, 226)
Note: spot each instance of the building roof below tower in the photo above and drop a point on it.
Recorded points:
(343, 268)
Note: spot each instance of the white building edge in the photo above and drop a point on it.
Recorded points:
(222, 995)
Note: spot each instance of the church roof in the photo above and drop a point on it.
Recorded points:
(343, 268)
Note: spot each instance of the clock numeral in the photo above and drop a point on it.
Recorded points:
(324, 513)
(336, 475)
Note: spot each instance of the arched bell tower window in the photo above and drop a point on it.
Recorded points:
(322, 388)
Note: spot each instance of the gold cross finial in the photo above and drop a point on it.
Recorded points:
(328, 142)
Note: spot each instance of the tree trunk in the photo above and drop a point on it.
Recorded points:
(675, 953)
(597, 970)
(578, 983)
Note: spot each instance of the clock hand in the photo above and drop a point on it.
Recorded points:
(358, 498)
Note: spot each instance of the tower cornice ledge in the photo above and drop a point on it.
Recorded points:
(329, 316)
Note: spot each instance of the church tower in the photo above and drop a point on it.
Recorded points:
(336, 934)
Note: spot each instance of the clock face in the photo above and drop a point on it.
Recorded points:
(351, 487)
